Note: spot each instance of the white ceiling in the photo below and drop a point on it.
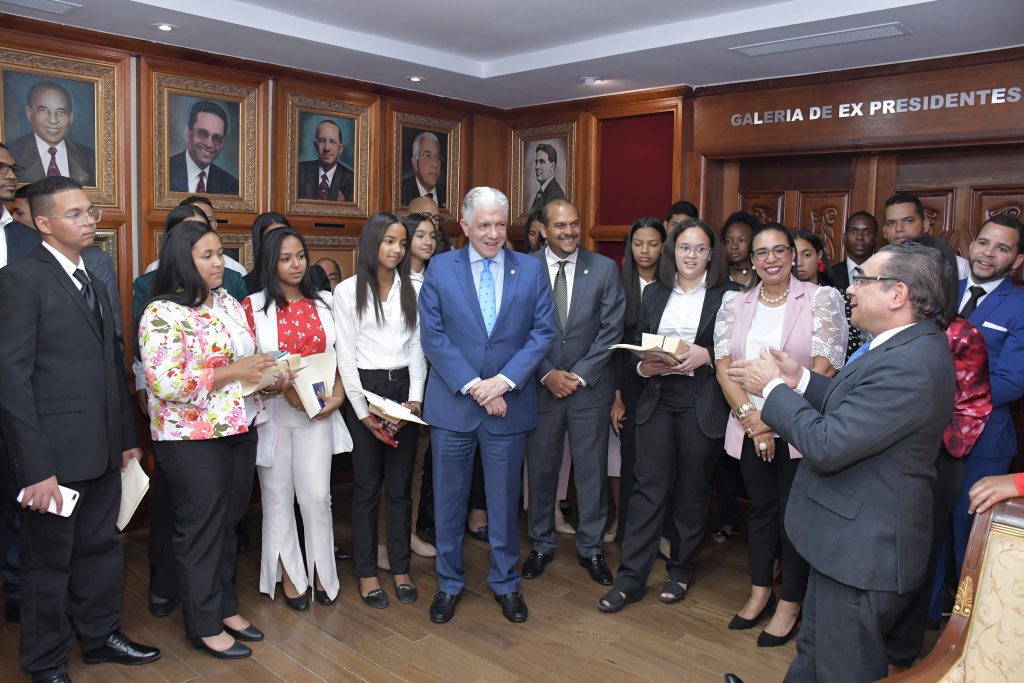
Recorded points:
(524, 52)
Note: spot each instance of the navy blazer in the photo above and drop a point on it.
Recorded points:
(1000, 319)
(218, 180)
(456, 343)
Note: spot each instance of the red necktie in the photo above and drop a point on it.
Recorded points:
(52, 169)
(324, 187)
(201, 185)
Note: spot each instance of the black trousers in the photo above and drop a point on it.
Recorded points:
(374, 463)
(630, 390)
(768, 485)
(72, 570)
(907, 635)
(209, 483)
(674, 464)
(10, 531)
(727, 479)
(163, 578)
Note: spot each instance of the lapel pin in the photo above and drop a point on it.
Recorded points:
(512, 272)
(585, 272)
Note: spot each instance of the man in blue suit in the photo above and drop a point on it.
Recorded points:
(487, 319)
(991, 301)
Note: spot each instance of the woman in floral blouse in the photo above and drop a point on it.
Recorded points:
(197, 349)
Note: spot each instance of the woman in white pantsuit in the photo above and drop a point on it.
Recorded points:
(294, 453)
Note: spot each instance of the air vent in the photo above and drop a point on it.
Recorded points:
(58, 7)
(853, 35)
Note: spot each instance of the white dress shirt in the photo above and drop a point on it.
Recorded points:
(963, 267)
(570, 272)
(476, 266)
(850, 265)
(330, 174)
(5, 219)
(362, 343)
(44, 155)
(424, 191)
(989, 287)
(193, 173)
(681, 316)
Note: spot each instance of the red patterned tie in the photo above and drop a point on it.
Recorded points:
(52, 169)
(324, 187)
(201, 185)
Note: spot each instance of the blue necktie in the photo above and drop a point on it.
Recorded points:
(487, 304)
(864, 348)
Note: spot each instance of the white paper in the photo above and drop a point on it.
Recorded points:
(134, 484)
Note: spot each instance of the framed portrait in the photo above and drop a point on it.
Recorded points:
(57, 116)
(427, 153)
(323, 143)
(205, 137)
(543, 167)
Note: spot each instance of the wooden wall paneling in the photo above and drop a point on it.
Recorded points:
(729, 188)
(825, 214)
(938, 209)
(765, 206)
(692, 164)
(489, 143)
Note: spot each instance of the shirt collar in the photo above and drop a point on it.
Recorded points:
(68, 266)
(475, 256)
(989, 287)
(5, 216)
(44, 147)
(887, 335)
(423, 190)
(703, 284)
(193, 167)
(553, 260)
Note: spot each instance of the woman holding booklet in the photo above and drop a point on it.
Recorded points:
(680, 416)
(304, 427)
(379, 352)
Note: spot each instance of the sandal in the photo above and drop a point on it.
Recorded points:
(406, 593)
(723, 536)
(614, 600)
(673, 590)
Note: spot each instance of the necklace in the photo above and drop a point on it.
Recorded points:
(772, 300)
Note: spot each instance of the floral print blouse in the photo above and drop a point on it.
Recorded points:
(180, 347)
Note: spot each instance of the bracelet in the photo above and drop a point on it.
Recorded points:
(740, 412)
(1019, 481)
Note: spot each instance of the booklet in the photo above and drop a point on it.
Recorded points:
(317, 376)
(285, 361)
(389, 413)
(134, 484)
(657, 346)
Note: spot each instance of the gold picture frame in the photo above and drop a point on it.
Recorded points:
(406, 128)
(555, 140)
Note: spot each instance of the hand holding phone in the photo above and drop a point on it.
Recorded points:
(69, 498)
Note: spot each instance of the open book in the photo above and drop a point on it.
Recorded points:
(659, 347)
(285, 361)
(316, 377)
(389, 413)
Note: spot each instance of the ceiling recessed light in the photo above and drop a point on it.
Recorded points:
(165, 27)
(591, 80)
(416, 79)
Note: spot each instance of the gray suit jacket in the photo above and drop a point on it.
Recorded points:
(860, 510)
(596, 309)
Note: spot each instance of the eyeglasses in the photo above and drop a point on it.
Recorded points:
(779, 252)
(10, 168)
(204, 135)
(696, 249)
(79, 217)
(430, 156)
(858, 277)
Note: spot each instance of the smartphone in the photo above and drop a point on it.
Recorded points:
(69, 496)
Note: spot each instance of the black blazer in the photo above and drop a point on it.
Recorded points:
(218, 181)
(551, 192)
(712, 408)
(64, 404)
(410, 191)
(840, 276)
(309, 182)
(81, 160)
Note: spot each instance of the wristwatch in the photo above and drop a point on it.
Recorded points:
(743, 410)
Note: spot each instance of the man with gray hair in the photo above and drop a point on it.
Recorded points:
(487, 319)
(427, 163)
(860, 510)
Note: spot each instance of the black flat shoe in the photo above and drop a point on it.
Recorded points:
(249, 634)
(299, 604)
(733, 678)
(598, 570)
(672, 589)
(342, 555)
(118, 649)
(161, 608)
(482, 534)
(376, 598)
(513, 606)
(739, 623)
(406, 593)
(322, 597)
(765, 639)
(236, 651)
(443, 608)
(616, 600)
(535, 563)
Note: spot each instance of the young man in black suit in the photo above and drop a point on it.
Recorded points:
(66, 416)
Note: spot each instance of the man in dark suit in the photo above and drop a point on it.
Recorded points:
(66, 416)
(860, 510)
(426, 179)
(545, 160)
(860, 233)
(486, 318)
(193, 169)
(576, 391)
(47, 150)
(326, 179)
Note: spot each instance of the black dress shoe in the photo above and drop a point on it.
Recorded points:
(733, 678)
(739, 623)
(299, 604)
(250, 633)
(513, 606)
(443, 608)
(322, 597)
(598, 569)
(55, 678)
(118, 649)
(535, 563)
(161, 608)
(12, 613)
(236, 651)
(342, 555)
(482, 534)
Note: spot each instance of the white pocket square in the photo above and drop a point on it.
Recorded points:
(993, 326)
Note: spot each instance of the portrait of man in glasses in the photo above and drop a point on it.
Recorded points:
(424, 172)
(207, 135)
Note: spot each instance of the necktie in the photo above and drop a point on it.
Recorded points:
(89, 295)
(324, 187)
(52, 169)
(430, 195)
(561, 294)
(976, 293)
(859, 352)
(538, 198)
(201, 185)
(488, 309)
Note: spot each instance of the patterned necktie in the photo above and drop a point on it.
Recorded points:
(324, 187)
(201, 185)
(538, 198)
(488, 309)
(976, 293)
(89, 295)
(52, 169)
(561, 295)
(859, 352)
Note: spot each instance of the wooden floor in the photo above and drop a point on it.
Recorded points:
(565, 639)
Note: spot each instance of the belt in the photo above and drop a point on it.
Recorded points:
(392, 375)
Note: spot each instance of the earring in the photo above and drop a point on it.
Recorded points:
(821, 266)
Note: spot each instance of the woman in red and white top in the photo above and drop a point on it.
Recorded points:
(294, 454)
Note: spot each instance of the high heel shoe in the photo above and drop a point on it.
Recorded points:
(322, 597)
(299, 604)
(236, 651)
(765, 639)
(250, 633)
(739, 623)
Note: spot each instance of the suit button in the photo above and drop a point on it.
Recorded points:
(563, 341)
(110, 394)
(657, 385)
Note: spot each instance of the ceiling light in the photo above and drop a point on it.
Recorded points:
(853, 35)
(591, 80)
(416, 79)
(165, 27)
